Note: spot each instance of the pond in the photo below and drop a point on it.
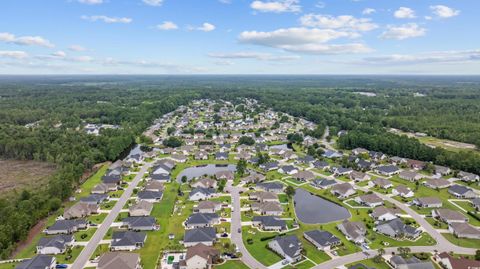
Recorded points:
(209, 169)
(312, 209)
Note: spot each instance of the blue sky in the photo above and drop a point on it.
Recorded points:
(239, 37)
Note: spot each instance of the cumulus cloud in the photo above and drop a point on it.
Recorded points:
(91, 2)
(167, 25)
(304, 40)
(444, 11)
(403, 31)
(154, 3)
(77, 48)
(14, 54)
(429, 57)
(279, 6)
(205, 27)
(60, 54)
(106, 19)
(254, 55)
(25, 40)
(404, 13)
(368, 11)
(345, 22)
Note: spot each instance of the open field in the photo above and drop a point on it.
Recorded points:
(19, 174)
(438, 142)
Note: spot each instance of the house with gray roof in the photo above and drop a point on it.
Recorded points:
(141, 208)
(208, 207)
(269, 223)
(461, 191)
(269, 166)
(150, 196)
(39, 261)
(323, 240)
(80, 210)
(54, 245)
(205, 235)
(119, 260)
(397, 229)
(428, 202)
(387, 170)
(198, 194)
(343, 190)
(323, 183)
(275, 187)
(127, 240)
(398, 262)
(267, 208)
(437, 183)
(383, 213)
(288, 169)
(197, 220)
(66, 226)
(353, 231)
(140, 223)
(288, 246)
(94, 198)
(448, 215)
(322, 165)
(371, 200)
(464, 230)
(468, 177)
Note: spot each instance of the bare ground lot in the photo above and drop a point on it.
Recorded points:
(19, 174)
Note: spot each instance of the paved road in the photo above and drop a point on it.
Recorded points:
(236, 223)
(87, 252)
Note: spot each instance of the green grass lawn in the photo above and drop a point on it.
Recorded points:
(371, 263)
(102, 248)
(258, 249)
(233, 264)
(108, 205)
(69, 256)
(86, 234)
(463, 242)
(97, 219)
(8, 265)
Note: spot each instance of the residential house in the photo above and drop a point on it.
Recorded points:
(398, 262)
(269, 166)
(416, 164)
(387, 170)
(359, 151)
(127, 240)
(331, 154)
(383, 213)
(288, 169)
(442, 170)
(303, 175)
(322, 165)
(468, 177)
(461, 191)
(371, 200)
(119, 260)
(54, 245)
(322, 240)
(264, 196)
(381, 183)
(66, 226)
(289, 247)
(94, 199)
(141, 208)
(199, 193)
(80, 210)
(39, 261)
(353, 231)
(225, 174)
(438, 183)
(450, 262)
(160, 177)
(206, 236)
(428, 202)
(103, 188)
(448, 215)
(200, 256)
(208, 207)
(403, 191)
(341, 171)
(397, 229)
(359, 176)
(410, 175)
(323, 183)
(476, 204)
(343, 190)
(464, 230)
(197, 220)
(221, 156)
(269, 223)
(145, 223)
(254, 178)
(267, 208)
(274, 187)
(150, 196)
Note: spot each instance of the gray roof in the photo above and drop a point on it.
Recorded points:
(94, 198)
(387, 169)
(411, 263)
(65, 225)
(59, 241)
(133, 222)
(323, 182)
(200, 235)
(270, 186)
(289, 244)
(144, 195)
(399, 227)
(288, 168)
(201, 218)
(127, 238)
(459, 189)
(323, 238)
(206, 191)
(165, 177)
(37, 262)
(270, 221)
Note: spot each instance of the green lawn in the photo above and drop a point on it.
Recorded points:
(304, 265)
(86, 234)
(8, 265)
(102, 248)
(258, 249)
(463, 242)
(371, 263)
(69, 256)
(97, 219)
(233, 264)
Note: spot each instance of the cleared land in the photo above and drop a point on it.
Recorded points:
(19, 174)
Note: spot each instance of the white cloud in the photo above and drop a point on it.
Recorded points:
(14, 54)
(403, 31)
(368, 11)
(60, 54)
(428, 57)
(304, 40)
(82, 59)
(279, 6)
(444, 11)
(25, 40)
(254, 55)
(320, 4)
(77, 48)
(206, 27)
(155, 3)
(346, 22)
(107, 19)
(91, 2)
(167, 25)
(404, 13)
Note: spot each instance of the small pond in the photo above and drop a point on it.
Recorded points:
(209, 169)
(312, 209)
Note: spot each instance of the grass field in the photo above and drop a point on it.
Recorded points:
(20, 174)
(463, 242)
(230, 265)
(372, 264)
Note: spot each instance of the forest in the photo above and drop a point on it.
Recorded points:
(41, 119)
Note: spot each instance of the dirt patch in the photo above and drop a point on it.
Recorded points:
(38, 228)
(20, 174)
